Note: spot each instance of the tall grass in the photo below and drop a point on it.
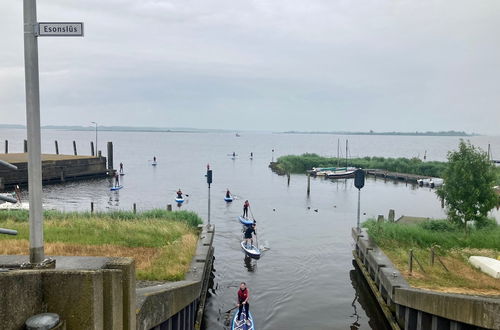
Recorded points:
(304, 162)
(162, 242)
(433, 232)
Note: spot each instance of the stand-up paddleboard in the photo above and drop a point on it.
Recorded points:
(116, 188)
(252, 250)
(154, 163)
(122, 173)
(179, 200)
(241, 324)
(228, 199)
(246, 222)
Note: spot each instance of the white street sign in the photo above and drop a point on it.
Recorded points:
(60, 29)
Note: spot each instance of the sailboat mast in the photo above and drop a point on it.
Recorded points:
(346, 150)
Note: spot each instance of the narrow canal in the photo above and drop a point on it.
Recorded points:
(305, 279)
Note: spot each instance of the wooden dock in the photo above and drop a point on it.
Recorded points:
(410, 178)
(55, 168)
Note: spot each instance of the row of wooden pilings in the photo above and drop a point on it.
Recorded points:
(75, 152)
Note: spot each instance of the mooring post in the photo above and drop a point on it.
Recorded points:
(391, 215)
(74, 148)
(288, 178)
(410, 262)
(308, 184)
(432, 256)
(135, 208)
(92, 148)
(91, 207)
(169, 207)
(25, 146)
(6, 146)
(110, 155)
(57, 147)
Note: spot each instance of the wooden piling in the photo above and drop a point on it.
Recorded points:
(25, 146)
(391, 215)
(308, 184)
(169, 207)
(288, 178)
(432, 256)
(92, 148)
(57, 147)
(74, 148)
(135, 208)
(91, 207)
(410, 262)
(6, 146)
(110, 155)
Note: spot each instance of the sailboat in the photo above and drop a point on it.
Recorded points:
(341, 172)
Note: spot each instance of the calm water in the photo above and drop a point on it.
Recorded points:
(305, 279)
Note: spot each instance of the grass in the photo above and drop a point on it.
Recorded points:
(304, 162)
(453, 248)
(161, 242)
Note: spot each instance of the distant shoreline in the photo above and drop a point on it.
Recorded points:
(428, 133)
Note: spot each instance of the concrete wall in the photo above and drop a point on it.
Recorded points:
(57, 170)
(84, 298)
(419, 309)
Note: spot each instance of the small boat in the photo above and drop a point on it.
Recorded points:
(246, 222)
(116, 188)
(251, 250)
(179, 200)
(241, 324)
(228, 199)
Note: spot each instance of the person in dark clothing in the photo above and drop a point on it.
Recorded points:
(179, 193)
(228, 194)
(243, 297)
(248, 235)
(121, 167)
(246, 205)
(117, 180)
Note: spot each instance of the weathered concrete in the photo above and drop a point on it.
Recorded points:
(127, 266)
(112, 299)
(21, 297)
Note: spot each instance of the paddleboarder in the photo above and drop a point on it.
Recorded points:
(121, 167)
(228, 194)
(179, 193)
(243, 297)
(246, 205)
(117, 179)
(154, 159)
(248, 235)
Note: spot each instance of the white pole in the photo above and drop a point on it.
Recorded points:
(359, 198)
(33, 126)
(209, 204)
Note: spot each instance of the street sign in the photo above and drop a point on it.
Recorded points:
(60, 29)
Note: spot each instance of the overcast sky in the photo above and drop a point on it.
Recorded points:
(400, 65)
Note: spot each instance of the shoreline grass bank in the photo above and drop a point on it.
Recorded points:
(162, 242)
(453, 248)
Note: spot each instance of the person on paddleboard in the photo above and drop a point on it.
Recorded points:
(154, 159)
(121, 167)
(246, 205)
(251, 155)
(228, 194)
(248, 235)
(179, 193)
(243, 296)
(117, 179)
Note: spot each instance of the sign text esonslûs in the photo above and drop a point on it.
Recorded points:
(60, 29)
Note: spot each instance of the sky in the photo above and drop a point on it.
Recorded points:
(308, 65)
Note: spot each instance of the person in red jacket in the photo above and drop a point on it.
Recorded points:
(243, 296)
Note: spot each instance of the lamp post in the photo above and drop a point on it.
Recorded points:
(96, 153)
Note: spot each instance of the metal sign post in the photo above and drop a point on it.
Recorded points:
(31, 31)
(209, 181)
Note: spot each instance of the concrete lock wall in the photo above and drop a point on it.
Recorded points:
(411, 308)
(83, 298)
(179, 305)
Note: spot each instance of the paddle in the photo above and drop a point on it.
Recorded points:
(227, 317)
(256, 240)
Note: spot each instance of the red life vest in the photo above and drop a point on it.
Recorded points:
(242, 295)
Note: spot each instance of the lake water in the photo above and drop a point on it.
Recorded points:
(306, 278)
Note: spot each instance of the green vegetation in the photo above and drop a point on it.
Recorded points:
(452, 247)
(302, 163)
(468, 192)
(162, 242)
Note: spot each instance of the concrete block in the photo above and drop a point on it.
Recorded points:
(112, 299)
(487, 265)
(390, 279)
(478, 311)
(76, 295)
(127, 266)
(21, 297)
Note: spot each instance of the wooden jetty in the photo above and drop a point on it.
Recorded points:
(406, 177)
(55, 168)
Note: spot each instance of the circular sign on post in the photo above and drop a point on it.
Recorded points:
(359, 178)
